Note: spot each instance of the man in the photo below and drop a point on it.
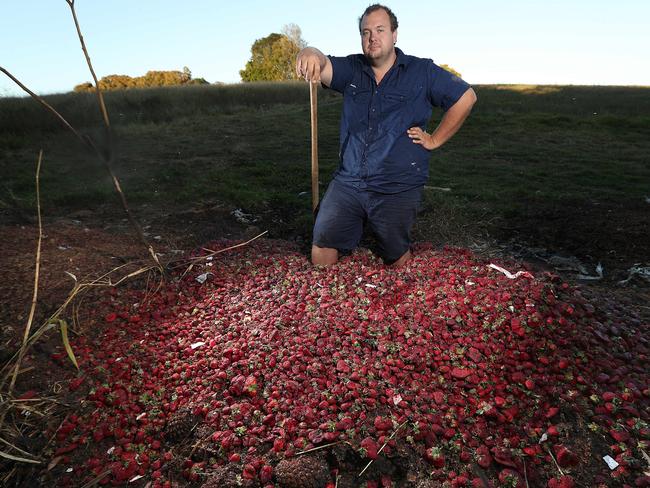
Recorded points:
(384, 149)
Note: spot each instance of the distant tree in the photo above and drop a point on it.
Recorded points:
(198, 81)
(273, 57)
(450, 69)
(115, 82)
(293, 32)
(84, 87)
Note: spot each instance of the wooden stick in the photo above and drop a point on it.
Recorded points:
(313, 99)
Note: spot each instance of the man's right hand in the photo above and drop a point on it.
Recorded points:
(313, 65)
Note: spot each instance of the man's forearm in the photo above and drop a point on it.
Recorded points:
(454, 118)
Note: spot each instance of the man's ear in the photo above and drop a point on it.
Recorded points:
(394, 37)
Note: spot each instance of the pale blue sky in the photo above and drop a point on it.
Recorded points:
(593, 42)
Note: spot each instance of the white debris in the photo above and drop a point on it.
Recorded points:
(110, 451)
(197, 344)
(243, 218)
(598, 276)
(508, 274)
(202, 277)
(544, 438)
(135, 478)
(397, 399)
(610, 462)
(143, 414)
(567, 264)
(636, 271)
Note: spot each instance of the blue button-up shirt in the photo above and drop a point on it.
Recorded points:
(376, 152)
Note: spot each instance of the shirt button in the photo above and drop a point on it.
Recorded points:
(373, 109)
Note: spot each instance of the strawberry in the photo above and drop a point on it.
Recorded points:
(370, 447)
(435, 456)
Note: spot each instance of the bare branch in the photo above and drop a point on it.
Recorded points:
(100, 98)
(43, 102)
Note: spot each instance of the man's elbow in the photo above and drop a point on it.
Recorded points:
(470, 96)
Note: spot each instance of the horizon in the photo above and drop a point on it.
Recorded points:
(576, 43)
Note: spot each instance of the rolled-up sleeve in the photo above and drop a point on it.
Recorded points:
(445, 88)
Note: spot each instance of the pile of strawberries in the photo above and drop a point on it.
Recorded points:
(255, 356)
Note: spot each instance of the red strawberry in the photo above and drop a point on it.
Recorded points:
(370, 446)
(561, 482)
(460, 373)
(565, 458)
(483, 457)
(435, 456)
(619, 435)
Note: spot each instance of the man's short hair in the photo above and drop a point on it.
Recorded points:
(377, 6)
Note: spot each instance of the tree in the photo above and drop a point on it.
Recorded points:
(273, 57)
(293, 32)
(450, 69)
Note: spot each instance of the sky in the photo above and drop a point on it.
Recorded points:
(579, 42)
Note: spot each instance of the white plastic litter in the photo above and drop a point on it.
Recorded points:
(202, 277)
(598, 276)
(197, 344)
(636, 271)
(610, 462)
(509, 274)
(135, 478)
(110, 451)
(544, 438)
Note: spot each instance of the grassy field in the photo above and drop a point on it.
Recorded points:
(527, 154)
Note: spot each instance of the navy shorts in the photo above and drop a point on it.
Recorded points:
(345, 210)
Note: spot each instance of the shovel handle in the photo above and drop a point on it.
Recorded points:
(313, 101)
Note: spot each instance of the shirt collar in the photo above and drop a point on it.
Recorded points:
(401, 60)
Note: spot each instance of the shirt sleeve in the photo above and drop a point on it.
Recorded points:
(445, 88)
(342, 72)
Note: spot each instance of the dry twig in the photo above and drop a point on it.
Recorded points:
(32, 309)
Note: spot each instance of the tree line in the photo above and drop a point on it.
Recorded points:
(149, 80)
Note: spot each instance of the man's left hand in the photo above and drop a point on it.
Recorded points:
(418, 136)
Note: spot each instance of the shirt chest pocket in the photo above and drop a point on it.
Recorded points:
(394, 110)
(357, 104)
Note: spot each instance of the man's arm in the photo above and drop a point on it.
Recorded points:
(449, 125)
(313, 65)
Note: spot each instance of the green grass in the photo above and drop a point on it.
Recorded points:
(248, 146)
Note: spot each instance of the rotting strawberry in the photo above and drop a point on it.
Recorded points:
(435, 456)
